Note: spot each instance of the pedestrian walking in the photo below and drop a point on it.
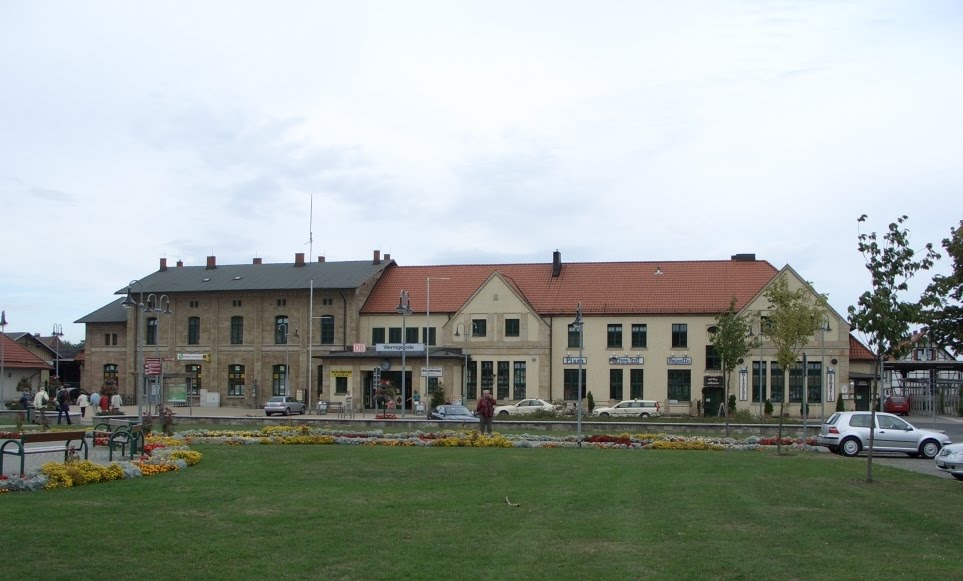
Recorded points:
(94, 403)
(104, 403)
(486, 411)
(84, 402)
(40, 400)
(63, 405)
(116, 401)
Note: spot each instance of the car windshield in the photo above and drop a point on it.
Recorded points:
(457, 410)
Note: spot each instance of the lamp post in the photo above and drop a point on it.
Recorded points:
(130, 303)
(428, 332)
(287, 356)
(3, 339)
(58, 332)
(403, 309)
(579, 324)
(153, 305)
(464, 375)
(823, 329)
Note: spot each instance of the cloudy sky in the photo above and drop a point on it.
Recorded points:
(454, 132)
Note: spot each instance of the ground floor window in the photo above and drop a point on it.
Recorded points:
(680, 384)
(487, 375)
(758, 375)
(432, 385)
(195, 382)
(518, 391)
(503, 377)
(636, 383)
(570, 384)
(235, 380)
(615, 384)
(279, 380)
(471, 381)
(340, 385)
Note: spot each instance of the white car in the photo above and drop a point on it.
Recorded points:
(285, 405)
(950, 459)
(525, 406)
(636, 408)
(848, 434)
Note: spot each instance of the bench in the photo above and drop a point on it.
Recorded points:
(18, 446)
(106, 429)
(132, 436)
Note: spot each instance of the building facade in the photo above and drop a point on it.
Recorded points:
(335, 331)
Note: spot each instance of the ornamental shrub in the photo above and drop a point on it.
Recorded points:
(732, 403)
(591, 402)
(768, 408)
(840, 406)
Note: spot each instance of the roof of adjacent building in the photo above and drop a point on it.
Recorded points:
(112, 312)
(652, 287)
(858, 351)
(259, 276)
(16, 356)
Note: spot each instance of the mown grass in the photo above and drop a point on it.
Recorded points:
(341, 512)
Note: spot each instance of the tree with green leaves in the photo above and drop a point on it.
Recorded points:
(881, 315)
(943, 299)
(731, 342)
(794, 317)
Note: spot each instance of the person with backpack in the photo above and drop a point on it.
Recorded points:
(63, 405)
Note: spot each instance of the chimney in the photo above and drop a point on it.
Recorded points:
(180, 263)
(256, 261)
(211, 262)
(320, 259)
(299, 259)
(743, 257)
(556, 264)
(377, 257)
(387, 257)
(163, 265)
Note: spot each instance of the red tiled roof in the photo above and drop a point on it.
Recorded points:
(858, 351)
(683, 287)
(16, 356)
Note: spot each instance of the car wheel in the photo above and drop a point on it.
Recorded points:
(503, 413)
(957, 476)
(604, 414)
(849, 447)
(287, 411)
(929, 449)
(304, 409)
(268, 414)
(644, 415)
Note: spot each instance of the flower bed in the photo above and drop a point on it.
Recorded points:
(161, 454)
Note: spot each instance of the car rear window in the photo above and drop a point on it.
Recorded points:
(897, 399)
(833, 419)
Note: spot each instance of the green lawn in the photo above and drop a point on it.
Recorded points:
(346, 512)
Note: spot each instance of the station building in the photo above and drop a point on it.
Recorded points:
(332, 331)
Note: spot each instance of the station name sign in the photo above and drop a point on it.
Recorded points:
(399, 347)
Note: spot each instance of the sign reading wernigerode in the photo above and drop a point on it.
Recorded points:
(678, 361)
(399, 347)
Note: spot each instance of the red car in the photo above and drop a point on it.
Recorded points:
(897, 404)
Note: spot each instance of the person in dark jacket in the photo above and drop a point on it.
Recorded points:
(63, 405)
(486, 411)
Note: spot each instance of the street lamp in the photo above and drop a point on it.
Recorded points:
(579, 325)
(153, 305)
(823, 329)
(58, 332)
(464, 375)
(403, 309)
(3, 339)
(287, 356)
(130, 303)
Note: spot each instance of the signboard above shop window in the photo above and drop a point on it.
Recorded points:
(678, 361)
(574, 360)
(614, 360)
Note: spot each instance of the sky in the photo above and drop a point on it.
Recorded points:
(465, 132)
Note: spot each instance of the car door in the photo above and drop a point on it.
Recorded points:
(894, 434)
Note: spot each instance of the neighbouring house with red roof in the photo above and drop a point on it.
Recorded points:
(334, 330)
(19, 363)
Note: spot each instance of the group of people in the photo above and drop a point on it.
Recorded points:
(63, 401)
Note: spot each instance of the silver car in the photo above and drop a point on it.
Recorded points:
(848, 434)
(283, 404)
(950, 460)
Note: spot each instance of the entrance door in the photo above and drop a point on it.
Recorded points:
(712, 400)
(861, 396)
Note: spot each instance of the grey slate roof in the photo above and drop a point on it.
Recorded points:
(245, 277)
(111, 313)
